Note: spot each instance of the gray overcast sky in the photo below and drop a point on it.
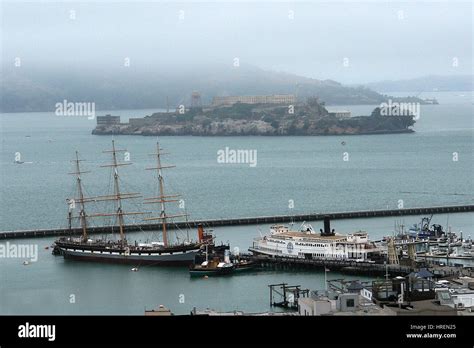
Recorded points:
(391, 40)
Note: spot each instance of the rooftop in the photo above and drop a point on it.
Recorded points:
(425, 307)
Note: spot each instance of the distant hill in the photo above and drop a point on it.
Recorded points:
(425, 84)
(26, 89)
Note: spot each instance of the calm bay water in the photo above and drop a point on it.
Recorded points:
(45, 287)
(382, 170)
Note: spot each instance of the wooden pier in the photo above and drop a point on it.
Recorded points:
(241, 221)
(342, 266)
(353, 267)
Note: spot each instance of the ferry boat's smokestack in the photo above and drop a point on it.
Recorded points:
(327, 227)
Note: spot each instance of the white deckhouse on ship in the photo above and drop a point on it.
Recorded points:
(308, 244)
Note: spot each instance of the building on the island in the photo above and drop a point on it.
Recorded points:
(148, 120)
(254, 99)
(108, 120)
(341, 114)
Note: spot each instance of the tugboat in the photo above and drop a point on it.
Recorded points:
(217, 267)
(212, 267)
(120, 250)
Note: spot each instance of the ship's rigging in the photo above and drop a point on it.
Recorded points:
(118, 196)
(121, 251)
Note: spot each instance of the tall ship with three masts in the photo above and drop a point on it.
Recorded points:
(120, 250)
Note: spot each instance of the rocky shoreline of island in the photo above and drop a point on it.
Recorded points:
(239, 119)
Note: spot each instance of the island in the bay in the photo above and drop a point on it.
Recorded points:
(259, 115)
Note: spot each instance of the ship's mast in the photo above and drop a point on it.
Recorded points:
(117, 192)
(81, 201)
(118, 196)
(162, 193)
(162, 198)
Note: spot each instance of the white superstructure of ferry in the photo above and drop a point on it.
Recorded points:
(306, 243)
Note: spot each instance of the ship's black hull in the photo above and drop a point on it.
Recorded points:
(134, 262)
(177, 255)
(200, 272)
